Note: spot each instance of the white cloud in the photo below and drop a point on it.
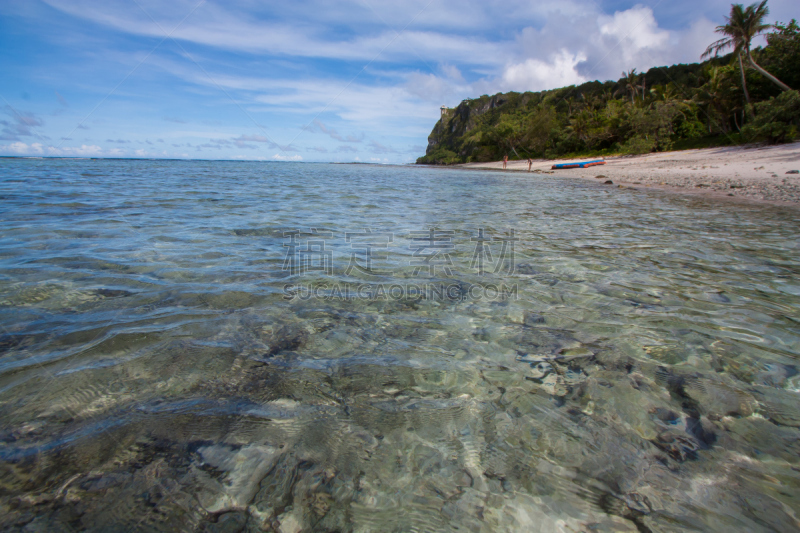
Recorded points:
(591, 45)
(452, 73)
(20, 124)
(379, 148)
(249, 158)
(220, 27)
(634, 29)
(253, 138)
(447, 51)
(333, 134)
(83, 150)
(280, 157)
(536, 75)
(21, 148)
(688, 45)
(436, 89)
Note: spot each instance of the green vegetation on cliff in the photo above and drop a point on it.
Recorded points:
(682, 106)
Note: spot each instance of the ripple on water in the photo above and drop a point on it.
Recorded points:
(153, 376)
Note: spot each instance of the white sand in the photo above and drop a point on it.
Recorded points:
(752, 173)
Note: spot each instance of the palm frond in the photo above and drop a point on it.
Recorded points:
(716, 47)
(741, 26)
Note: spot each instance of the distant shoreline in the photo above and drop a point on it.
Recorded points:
(754, 174)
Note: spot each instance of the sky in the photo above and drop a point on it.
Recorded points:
(359, 80)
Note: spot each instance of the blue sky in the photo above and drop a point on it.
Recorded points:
(307, 80)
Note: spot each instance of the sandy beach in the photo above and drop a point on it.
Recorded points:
(757, 174)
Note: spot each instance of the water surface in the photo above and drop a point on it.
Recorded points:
(631, 365)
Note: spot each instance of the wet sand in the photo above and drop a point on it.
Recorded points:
(757, 174)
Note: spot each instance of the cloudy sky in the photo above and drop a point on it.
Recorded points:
(307, 80)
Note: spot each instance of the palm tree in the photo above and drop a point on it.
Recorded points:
(742, 26)
(579, 125)
(600, 100)
(629, 83)
(665, 92)
(714, 94)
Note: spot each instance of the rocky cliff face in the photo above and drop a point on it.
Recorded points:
(460, 121)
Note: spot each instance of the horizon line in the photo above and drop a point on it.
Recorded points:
(192, 159)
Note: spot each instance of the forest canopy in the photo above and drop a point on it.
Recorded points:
(725, 100)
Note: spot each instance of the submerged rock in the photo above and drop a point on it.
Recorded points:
(533, 319)
(757, 438)
(555, 384)
(287, 338)
(717, 399)
(244, 469)
(774, 375)
(613, 397)
(678, 445)
(779, 405)
(526, 269)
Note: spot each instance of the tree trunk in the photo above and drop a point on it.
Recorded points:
(744, 80)
(724, 124)
(767, 75)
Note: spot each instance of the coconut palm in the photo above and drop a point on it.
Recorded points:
(630, 83)
(600, 100)
(715, 96)
(665, 92)
(742, 26)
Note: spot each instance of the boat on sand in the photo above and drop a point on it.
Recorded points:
(585, 164)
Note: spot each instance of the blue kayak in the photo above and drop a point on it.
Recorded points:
(579, 165)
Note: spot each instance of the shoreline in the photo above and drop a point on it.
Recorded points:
(755, 174)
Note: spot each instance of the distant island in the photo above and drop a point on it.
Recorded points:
(743, 97)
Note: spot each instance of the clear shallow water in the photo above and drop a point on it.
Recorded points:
(641, 373)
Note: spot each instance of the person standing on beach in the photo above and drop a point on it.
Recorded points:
(505, 161)
(530, 162)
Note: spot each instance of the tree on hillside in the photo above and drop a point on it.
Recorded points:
(782, 54)
(742, 26)
(601, 99)
(540, 124)
(509, 133)
(665, 92)
(715, 96)
(681, 106)
(630, 83)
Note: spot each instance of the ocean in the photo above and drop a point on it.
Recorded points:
(247, 346)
